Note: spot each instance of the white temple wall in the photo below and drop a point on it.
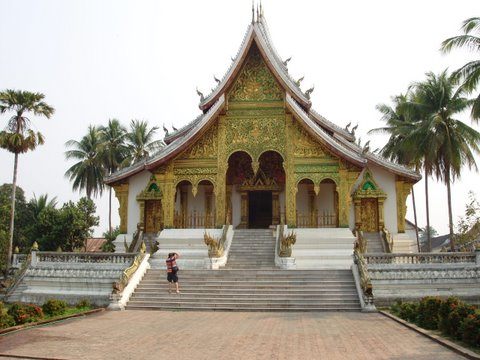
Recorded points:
(386, 181)
(136, 184)
(236, 207)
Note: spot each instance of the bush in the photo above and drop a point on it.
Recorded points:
(6, 320)
(470, 328)
(446, 307)
(407, 311)
(454, 320)
(54, 307)
(428, 310)
(83, 303)
(25, 313)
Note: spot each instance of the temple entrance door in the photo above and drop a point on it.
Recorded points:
(369, 215)
(259, 209)
(153, 216)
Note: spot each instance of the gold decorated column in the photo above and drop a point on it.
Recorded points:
(290, 181)
(121, 193)
(168, 197)
(358, 213)
(275, 208)
(222, 164)
(381, 214)
(402, 191)
(343, 199)
(243, 210)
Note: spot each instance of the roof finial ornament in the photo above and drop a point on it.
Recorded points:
(217, 80)
(287, 61)
(199, 93)
(165, 130)
(258, 13)
(174, 128)
(309, 92)
(253, 12)
(261, 9)
(347, 128)
(353, 131)
(299, 81)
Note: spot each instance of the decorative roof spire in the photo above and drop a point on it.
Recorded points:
(261, 9)
(253, 12)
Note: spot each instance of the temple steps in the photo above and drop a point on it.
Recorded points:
(374, 242)
(249, 290)
(252, 249)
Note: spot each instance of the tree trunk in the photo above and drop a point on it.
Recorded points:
(429, 239)
(450, 217)
(110, 210)
(415, 219)
(12, 214)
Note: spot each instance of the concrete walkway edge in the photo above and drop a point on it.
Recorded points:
(438, 339)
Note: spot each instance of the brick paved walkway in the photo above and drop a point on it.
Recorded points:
(224, 335)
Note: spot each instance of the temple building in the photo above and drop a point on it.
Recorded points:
(260, 155)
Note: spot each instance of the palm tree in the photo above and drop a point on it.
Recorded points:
(140, 142)
(17, 137)
(42, 202)
(399, 125)
(470, 72)
(87, 173)
(114, 152)
(451, 143)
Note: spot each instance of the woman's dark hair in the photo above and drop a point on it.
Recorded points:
(170, 254)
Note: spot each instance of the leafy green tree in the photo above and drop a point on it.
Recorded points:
(110, 236)
(140, 142)
(88, 172)
(468, 226)
(67, 227)
(18, 138)
(447, 143)
(23, 216)
(469, 73)
(114, 152)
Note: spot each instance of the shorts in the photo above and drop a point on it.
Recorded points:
(172, 277)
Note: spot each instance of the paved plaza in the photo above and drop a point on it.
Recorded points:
(223, 335)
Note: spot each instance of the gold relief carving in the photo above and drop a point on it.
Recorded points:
(369, 215)
(204, 148)
(306, 146)
(195, 171)
(168, 190)
(121, 193)
(402, 191)
(255, 135)
(255, 81)
(222, 164)
(290, 181)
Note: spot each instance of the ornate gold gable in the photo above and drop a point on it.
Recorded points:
(151, 192)
(255, 82)
(368, 201)
(369, 188)
(260, 183)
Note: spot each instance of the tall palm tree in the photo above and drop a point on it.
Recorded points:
(87, 173)
(17, 137)
(454, 143)
(42, 202)
(140, 141)
(399, 125)
(469, 73)
(114, 152)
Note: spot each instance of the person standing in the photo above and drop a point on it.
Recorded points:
(172, 272)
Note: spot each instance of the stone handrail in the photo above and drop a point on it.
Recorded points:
(286, 243)
(387, 240)
(18, 260)
(365, 281)
(280, 237)
(19, 274)
(422, 258)
(92, 258)
(216, 247)
(360, 243)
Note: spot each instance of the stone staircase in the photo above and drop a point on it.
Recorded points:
(252, 249)
(249, 290)
(374, 242)
(249, 282)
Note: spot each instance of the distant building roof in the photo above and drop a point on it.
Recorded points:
(94, 244)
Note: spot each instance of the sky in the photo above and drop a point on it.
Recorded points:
(96, 60)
